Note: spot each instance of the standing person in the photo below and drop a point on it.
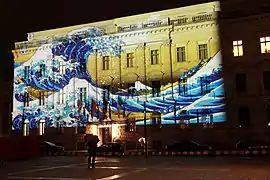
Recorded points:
(92, 149)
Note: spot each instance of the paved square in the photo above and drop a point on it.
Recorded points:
(138, 168)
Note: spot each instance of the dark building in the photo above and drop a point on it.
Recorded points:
(245, 44)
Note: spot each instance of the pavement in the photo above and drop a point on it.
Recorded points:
(138, 168)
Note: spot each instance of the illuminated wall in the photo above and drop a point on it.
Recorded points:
(167, 62)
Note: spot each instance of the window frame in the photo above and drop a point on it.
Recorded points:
(130, 125)
(26, 72)
(42, 70)
(83, 94)
(105, 63)
(238, 48)
(26, 128)
(42, 98)
(62, 68)
(154, 56)
(131, 91)
(203, 51)
(26, 100)
(181, 54)
(130, 60)
(156, 121)
(266, 42)
(62, 96)
(156, 89)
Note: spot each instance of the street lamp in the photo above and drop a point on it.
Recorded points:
(138, 76)
(171, 64)
(145, 131)
(162, 76)
(108, 98)
(170, 55)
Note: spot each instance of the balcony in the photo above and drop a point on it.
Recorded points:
(183, 20)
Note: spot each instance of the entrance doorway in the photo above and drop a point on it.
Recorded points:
(105, 134)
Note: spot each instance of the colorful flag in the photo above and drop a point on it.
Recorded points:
(98, 110)
(79, 105)
(197, 113)
(110, 112)
(118, 112)
(174, 110)
(120, 101)
(84, 112)
(124, 111)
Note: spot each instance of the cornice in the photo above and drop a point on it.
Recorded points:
(144, 32)
(166, 29)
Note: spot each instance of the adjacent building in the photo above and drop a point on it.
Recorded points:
(160, 70)
(245, 44)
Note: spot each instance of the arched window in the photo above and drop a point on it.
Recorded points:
(26, 127)
(130, 125)
(41, 126)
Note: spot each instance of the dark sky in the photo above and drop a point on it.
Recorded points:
(18, 17)
(22, 16)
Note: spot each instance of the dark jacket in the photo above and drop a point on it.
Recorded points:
(92, 144)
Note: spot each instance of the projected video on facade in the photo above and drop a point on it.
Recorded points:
(164, 64)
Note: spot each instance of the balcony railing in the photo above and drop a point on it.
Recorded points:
(183, 20)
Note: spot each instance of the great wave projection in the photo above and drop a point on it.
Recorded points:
(54, 83)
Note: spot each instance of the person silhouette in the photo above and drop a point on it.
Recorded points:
(92, 149)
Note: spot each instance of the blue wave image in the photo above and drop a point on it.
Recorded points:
(192, 97)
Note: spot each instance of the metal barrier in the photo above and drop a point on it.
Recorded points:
(168, 153)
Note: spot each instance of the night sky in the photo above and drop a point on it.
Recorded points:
(19, 17)
(24, 16)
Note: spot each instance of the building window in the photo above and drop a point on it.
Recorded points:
(265, 44)
(62, 67)
(82, 95)
(41, 127)
(156, 88)
(203, 52)
(154, 57)
(42, 70)
(106, 92)
(156, 121)
(26, 99)
(130, 60)
(62, 96)
(83, 68)
(243, 116)
(266, 80)
(182, 86)
(26, 128)
(105, 62)
(180, 54)
(201, 18)
(105, 98)
(131, 125)
(240, 82)
(42, 98)
(131, 89)
(237, 48)
(26, 72)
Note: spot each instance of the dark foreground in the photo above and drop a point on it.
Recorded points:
(137, 168)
